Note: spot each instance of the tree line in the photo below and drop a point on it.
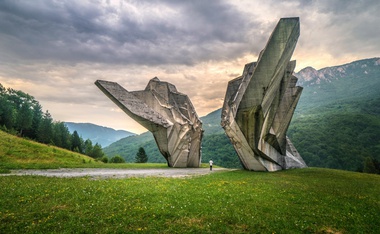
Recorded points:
(342, 135)
(22, 115)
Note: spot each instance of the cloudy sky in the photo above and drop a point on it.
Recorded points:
(56, 49)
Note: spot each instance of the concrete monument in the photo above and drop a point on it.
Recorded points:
(259, 105)
(165, 112)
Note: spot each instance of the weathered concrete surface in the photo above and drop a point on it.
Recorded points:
(259, 105)
(167, 113)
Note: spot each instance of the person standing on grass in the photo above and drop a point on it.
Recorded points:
(211, 162)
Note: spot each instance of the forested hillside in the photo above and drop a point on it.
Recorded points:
(336, 123)
(21, 114)
(129, 146)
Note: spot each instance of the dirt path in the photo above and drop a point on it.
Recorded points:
(116, 173)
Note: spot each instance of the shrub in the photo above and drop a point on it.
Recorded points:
(117, 159)
(104, 159)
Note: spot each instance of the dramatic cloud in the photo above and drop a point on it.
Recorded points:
(55, 50)
(141, 32)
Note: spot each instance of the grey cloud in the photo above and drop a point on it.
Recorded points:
(353, 26)
(71, 31)
(344, 7)
(338, 28)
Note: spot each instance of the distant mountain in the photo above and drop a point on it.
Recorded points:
(98, 134)
(352, 81)
(309, 76)
(336, 123)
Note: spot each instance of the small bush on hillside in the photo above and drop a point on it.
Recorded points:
(371, 166)
(104, 159)
(117, 159)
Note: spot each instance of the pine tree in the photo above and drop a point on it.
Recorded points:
(141, 156)
(76, 142)
(88, 147)
(62, 135)
(24, 118)
(45, 130)
(37, 119)
(7, 113)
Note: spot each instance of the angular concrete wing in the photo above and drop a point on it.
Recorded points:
(259, 105)
(165, 112)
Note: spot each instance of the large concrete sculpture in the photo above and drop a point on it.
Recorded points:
(168, 114)
(259, 105)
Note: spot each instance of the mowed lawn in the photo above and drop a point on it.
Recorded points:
(310, 200)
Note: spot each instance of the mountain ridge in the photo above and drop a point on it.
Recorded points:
(310, 76)
(98, 134)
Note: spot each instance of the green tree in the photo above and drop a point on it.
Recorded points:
(141, 156)
(36, 120)
(24, 118)
(97, 151)
(62, 136)
(45, 130)
(23, 105)
(7, 112)
(76, 142)
(88, 147)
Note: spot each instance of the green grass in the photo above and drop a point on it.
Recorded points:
(19, 153)
(296, 201)
(310, 200)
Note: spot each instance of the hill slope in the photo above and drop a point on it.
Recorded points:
(336, 123)
(16, 153)
(98, 134)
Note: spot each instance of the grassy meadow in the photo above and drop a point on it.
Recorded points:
(310, 200)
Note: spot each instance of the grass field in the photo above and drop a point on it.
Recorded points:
(311, 200)
(308, 200)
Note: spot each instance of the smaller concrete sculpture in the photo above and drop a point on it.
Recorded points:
(259, 105)
(165, 112)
